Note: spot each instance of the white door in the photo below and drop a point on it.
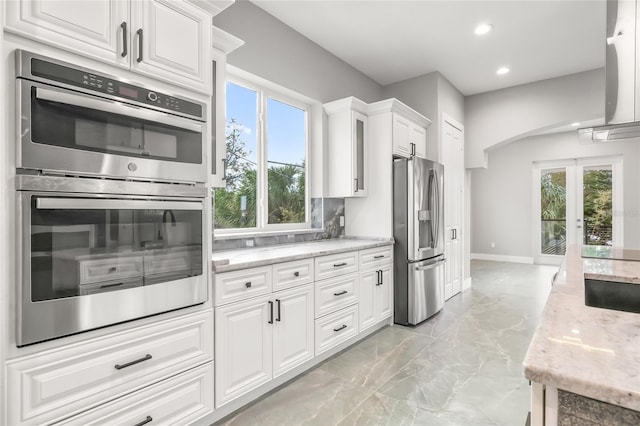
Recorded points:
(172, 40)
(384, 294)
(293, 328)
(418, 137)
(366, 298)
(453, 160)
(243, 347)
(400, 136)
(576, 202)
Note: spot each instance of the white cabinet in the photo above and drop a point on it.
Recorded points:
(409, 138)
(453, 160)
(168, 40)
(347, 165)
(53, 385)
(376, 286)
(260, 339)
(336, 328)
(243, 347)
(240, 285)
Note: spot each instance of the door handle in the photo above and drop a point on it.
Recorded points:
(125, 50)
(278, 303)
(270, 312)
(356, 188)
(139, 32)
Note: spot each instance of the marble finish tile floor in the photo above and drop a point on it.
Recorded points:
(462, 367)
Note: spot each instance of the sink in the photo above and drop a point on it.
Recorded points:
(615, 295)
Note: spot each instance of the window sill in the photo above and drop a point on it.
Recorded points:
(244, 235)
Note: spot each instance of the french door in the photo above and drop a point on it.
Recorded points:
(576, 201)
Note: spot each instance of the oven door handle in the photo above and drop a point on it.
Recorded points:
(100, 204)
(99, 104)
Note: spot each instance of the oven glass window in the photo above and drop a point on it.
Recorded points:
(78, 127)
(83, 251)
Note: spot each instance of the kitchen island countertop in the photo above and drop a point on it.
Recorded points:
(231, 260)
(588, 351)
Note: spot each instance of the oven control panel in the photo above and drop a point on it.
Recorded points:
(54, 72)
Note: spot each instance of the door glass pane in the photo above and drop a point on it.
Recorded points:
(78, 252)
(286, 147)
(360, 154)
(597, 206)
(553, 209)
(235, 205)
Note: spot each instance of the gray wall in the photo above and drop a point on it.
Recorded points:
(280, 54)
(501, 195)
(505, 115)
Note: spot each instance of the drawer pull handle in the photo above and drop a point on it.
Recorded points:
(380, 256)
(247, 284)
(113, 269)
(337, 265)
(340, 293)
(111, 285)
(149, 419)
(296, 274)
(270, 312)
(278, 303)
(129, 364)
(340, 328)
(139, 32)
(124, 39)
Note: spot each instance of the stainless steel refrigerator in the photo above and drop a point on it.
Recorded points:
(418, 229)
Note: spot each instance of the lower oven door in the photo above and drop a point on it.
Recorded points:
(90, 261)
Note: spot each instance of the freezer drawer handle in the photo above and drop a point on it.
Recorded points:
(433, 265)
(340, 328)
(129, 364)
(340, 293)
(337, 265)
(149, 419)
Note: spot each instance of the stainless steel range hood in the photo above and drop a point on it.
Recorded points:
(622, 90)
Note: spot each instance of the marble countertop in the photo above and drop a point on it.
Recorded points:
(231, 260)
(585, 350)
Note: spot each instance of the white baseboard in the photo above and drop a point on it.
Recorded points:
(502, 258)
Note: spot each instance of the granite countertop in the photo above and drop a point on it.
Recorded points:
(231, 260)
(585, 350)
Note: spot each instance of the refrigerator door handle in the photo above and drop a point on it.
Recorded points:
(437, 210)
(431, 266)
(433, 209)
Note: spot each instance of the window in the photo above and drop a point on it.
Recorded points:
(266, 162)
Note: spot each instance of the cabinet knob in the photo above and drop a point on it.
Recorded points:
(296, 274)
(247, 284)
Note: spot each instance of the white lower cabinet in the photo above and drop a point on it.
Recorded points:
(59, 383)
(375, 296)
(260, 339)
(335, 328)
(182, 399)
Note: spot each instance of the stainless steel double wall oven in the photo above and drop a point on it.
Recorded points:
(111, 200)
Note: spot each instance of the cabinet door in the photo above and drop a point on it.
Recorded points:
(384, 294)
(293, 328)
(243, 348)
(418, 137)
(91, 28)
(366, 297)
(359, 147)
(172, 41)
(401, 136)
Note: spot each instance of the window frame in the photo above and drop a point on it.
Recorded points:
(265, 90)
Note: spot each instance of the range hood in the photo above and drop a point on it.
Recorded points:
(622, 89)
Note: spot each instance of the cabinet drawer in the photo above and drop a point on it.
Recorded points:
(291, 274)
(111, 269)
(336, 328)
(177, 261)
(56, 384)
(240, 285)
(182, 399)
(336, 264)
(335, 293)
(375, 257)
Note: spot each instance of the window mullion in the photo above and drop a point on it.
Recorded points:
(261, 189)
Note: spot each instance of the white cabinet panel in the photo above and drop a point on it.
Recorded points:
(366, 297)
(89, 28)
(293, 329)
(336, 293)
(240, 285)
(182, 399)
(418, 137)
(172, 40)
(384, 295)
(291, 274)
(401, 136)
(375, 257)
(243, 342)
(336, 328)
(336, 264)
(55, 384)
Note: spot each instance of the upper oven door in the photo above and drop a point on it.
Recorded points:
(69, 132)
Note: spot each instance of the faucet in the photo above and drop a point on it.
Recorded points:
(173, 217)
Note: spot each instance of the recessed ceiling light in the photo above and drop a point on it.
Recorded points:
(502, 70)
(483, 29)
(575, 124)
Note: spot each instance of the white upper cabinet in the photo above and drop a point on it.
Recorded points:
(418, 137)
(347, 165)
(168, 40)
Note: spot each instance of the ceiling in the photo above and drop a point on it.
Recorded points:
(392, 41)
